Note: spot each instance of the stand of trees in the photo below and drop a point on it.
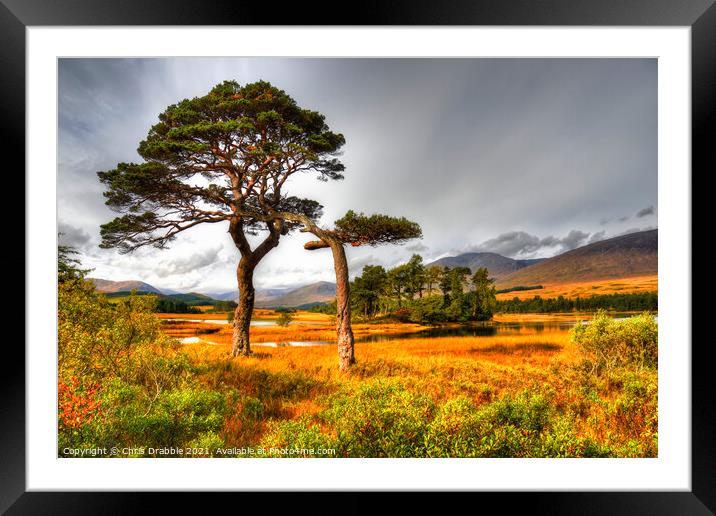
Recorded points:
(173, 306)
(412, 292)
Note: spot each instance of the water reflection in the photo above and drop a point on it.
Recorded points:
(487, 329)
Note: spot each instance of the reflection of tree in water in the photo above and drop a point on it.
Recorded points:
(477, 330)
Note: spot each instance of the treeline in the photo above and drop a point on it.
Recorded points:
(646, 301)
(519, 289)
(167, 305)
(223, 306)
(174, 306)
(415, 293)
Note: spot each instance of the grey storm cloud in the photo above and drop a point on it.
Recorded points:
(596, 237)
(355, 266)
(574, 239)
(623, 219)
(649, 210)
(188, 263)
(73, 236)
(417, 248)
(520, 244)
(634, 230)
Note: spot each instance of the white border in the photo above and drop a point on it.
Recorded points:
(671, 471)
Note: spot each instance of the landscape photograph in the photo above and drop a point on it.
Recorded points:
(357, 258)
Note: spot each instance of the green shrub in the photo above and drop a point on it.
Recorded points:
(562, 442)
(456, 430)
(173, 418)
(634, 414)
(208, 441)
(607, 343)
(284, 318)
(96, 338)
(121, 382)
(300, 436)
(382, 419)
(527, 411)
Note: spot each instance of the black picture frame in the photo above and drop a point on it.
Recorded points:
(16, 15)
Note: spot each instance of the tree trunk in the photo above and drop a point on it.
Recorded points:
(242, 316)
(346, 356)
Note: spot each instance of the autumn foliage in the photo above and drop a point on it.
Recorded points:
(78, 404)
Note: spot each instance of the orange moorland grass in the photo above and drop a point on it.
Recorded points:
(304, 328)
(481, 368)
(635, 284)
(289, 383)
(445, 366)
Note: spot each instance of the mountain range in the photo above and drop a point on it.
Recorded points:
(498, 265)
(108, 286)
(635, 254)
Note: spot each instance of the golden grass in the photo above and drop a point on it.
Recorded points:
(292, 382)
(631, 285)
(443, 367)
(306, 327)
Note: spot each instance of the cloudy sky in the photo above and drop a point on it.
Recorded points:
(523, 157)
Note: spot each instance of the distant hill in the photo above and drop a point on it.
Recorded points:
(230, 295)
(194, 298)
(263, 295)
(497, 265)
(314, 293)
(301, 297)
(268, 295)
(306, 296)
(107, 286)
(190, 299)
(169, 291)
(625, 256)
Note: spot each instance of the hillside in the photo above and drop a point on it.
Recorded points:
(190, 299)
(497, 265)
(108, 286)
(229, 295)
(625, 256)
(263, 295)
(319, 292)
(194, 298)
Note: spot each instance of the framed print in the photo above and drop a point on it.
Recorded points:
(458, 292)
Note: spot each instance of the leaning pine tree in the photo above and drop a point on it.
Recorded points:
(355, 230)
(216, 159)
